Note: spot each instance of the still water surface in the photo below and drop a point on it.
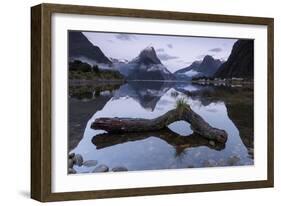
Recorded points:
(226, 107)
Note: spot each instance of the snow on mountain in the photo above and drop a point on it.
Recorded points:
(147, 66)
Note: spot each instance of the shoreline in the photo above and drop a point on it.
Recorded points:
(101, 82)
(78, 82)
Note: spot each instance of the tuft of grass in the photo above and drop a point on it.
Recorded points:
(181, 105)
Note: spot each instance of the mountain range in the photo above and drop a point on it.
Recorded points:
(147, 65)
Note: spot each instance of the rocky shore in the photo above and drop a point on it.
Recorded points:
(76, 160)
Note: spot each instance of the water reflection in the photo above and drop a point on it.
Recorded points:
(177, 141)
(224, 107)
(146, 93)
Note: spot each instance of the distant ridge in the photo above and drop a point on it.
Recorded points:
(207, 67)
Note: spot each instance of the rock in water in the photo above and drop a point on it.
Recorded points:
(70, 163)
(119, 169)
(71, 171)
(233, 160)
(90, 163)
(210, 163)
(71, 155)
(78, 159)
(101, 168)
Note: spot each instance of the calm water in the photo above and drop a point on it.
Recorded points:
(225, 107)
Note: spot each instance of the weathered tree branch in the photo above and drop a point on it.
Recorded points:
(128, 125)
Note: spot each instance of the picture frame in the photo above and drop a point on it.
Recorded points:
(42, 97)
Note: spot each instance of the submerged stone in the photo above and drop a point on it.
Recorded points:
(78, 159)
(71, 155)
(233, 160)
(101, 168)
(90, 163)
(210, 163)
(71, 171)
(70, 163)
(119, 169)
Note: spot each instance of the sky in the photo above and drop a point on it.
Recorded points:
(175, 52)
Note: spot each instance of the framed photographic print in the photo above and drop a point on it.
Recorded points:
(130, 102)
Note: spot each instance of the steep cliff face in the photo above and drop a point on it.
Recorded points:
(147, 66)
(79, 47)
(240, 63)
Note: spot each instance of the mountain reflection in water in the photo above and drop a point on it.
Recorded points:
(225, 107)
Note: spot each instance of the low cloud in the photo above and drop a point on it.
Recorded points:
(200, 56)
(216, 49)
(166, 57)
(223, 59)
(160, 50)
(170, 46)
(184, 62)
(125, 37)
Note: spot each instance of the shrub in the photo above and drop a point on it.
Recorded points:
(96, 69)
(77, 65)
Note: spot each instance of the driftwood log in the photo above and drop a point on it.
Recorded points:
(128, 125)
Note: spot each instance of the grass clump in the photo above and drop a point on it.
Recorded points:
(181, 105)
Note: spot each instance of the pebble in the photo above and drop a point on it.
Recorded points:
(209, 163)
(78, 160)
(233, 160)
(90, 163)
(251, 151)
(71, 155)
(70, 163)
(119, 169)
(101, 168)
(71, 171)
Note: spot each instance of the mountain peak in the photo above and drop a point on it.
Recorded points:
(147, 66)
(149, 48)
(208, 58)
(148, 56)
(207, 67)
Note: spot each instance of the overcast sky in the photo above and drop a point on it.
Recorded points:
(175, 52)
